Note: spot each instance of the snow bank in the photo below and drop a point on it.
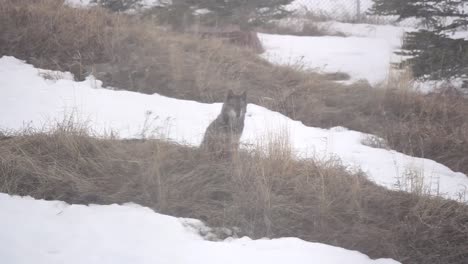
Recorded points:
(38, 231)
(365, 53)
(361, 57)
(27, 99)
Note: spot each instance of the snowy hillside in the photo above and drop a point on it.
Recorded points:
(361, 57)
(55, 232)
(365, 52)
(35, 98)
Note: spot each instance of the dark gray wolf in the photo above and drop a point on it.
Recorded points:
(223, 134)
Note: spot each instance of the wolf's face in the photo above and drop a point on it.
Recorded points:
(235, 106)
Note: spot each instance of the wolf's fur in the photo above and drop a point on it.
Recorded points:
(223, 134)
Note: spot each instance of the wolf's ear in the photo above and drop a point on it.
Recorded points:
(230, 94)
(244, 96)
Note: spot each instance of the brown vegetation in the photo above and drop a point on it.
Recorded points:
(298, 27)
(248, 39)
(263, 195)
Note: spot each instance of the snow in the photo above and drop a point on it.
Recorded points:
(78, 3)
(361, 57)
(367, 58)
(427, 86)
(461, 33)
(366, 53)
(38, 231)
(27, 99)
(392, 34)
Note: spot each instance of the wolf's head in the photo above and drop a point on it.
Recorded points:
(235, 106)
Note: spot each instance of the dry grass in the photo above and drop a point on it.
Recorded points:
(434, 126)
(67, 37)
(298, 27)
(269, 195)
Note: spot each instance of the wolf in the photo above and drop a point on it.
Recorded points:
(223, 134)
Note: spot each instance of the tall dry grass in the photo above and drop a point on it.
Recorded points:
(263, 195)
(130, 52)
(433, 126)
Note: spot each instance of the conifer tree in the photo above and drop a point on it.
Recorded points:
(118, 5)
(434, 53)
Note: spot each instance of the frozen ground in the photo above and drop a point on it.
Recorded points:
(49, 232)
(35, 98)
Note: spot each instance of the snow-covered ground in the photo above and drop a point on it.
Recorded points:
(49, 232)
(363, 58)
(365, 52)
(427, 86)
(78, 3)
(391, 34)
(35, 98)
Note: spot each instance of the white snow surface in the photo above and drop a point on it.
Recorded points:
(363, 58)
(28, 99)
(78, 3)
(48, 232)
(365, 53)
(427, 86)
(391, 34)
